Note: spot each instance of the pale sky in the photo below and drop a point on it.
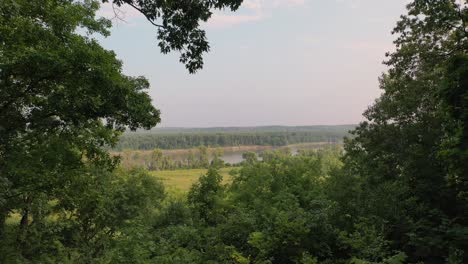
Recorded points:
(274, 62)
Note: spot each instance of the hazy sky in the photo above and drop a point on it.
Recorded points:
(274, 62)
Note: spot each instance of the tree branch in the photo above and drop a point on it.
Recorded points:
(141, 11)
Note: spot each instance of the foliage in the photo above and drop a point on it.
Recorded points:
(63, 98)
(397, 194)
(273, 212)
(189, 139)
(409, 159)
(83, 226)
(178, 24)
(158, 160)
(205, 196)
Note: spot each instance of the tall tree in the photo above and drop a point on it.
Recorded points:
(216, 161)
(203, 160)
(63, 97)
(410, 156)
(156, 160)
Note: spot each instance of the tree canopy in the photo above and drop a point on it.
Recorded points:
(64, 98)
(411, 154)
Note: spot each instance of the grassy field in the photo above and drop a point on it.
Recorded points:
(182, 180)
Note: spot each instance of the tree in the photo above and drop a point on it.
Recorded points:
(63, 98)
(410, 156)
(203, 160)
(205, 196)
(63, 101)
(217, 162)
(178, 24)
(156, 160)
(191, 162)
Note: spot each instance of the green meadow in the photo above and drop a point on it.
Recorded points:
(181, 180)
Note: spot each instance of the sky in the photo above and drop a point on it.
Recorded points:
(273, 62)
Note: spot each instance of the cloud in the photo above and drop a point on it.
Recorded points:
(369, 46)
(223, 20)
(269, 4)
(308, 39)
(351, 3)
(251, 11)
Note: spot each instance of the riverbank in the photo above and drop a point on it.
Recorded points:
(179, 157)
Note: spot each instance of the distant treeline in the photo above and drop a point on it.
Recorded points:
(265, 136)
(253, 129)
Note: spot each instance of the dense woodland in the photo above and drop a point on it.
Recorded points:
(396, 193)
(235, 137)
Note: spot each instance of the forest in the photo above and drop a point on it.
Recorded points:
(395, 192)
(270, 136)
